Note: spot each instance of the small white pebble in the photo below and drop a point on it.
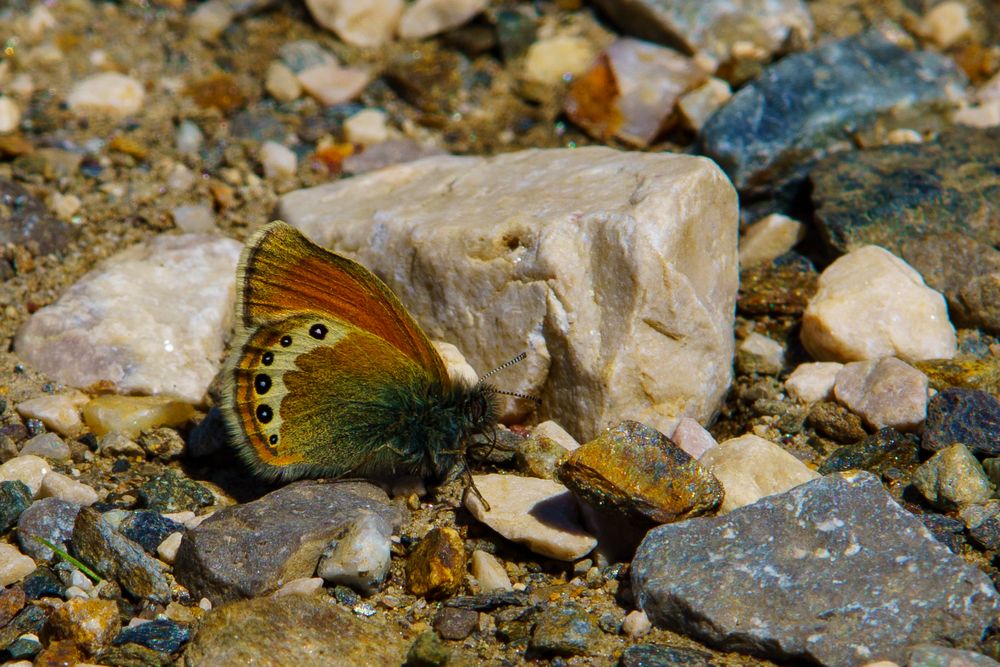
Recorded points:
(304, 586)
(14, 566)
(189, 138)
(180, 517)
(57, 485)
(813, 381)
(167, 549)
(76, 592)
(196, 521)
(205, 604)
(194, 218)
(281, 83)
(488, 571)
(278, 161)
(108, 92)
(64, 206)
(10, 115)
(180, 178)
(904, 135)
(28, 469)
(368, 126)
(210, 19)
(636, 624)
(946, 23)
(21, 86)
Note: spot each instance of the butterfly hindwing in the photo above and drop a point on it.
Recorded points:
(282, 273)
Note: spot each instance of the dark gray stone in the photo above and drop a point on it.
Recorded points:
(114, 556)
(250, 549)
(161, 635)
(800, 108)
(968, 416)
(15, 497)
(832, 572)
(25, 221)
(929, 655)
(148, 529)
(50, 519)
(455, 623)
(169, 492)
(652, 655)
(890, 195)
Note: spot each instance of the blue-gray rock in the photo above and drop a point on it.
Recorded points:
(30, 619)
(47, 446)
(774, 129)
(15, 497)
(653, 655)
(43, 583)
(968, 416)
(114, 556)
(148, 529)
(24, 647)
(929, 655)
(247, 550)
(169, 492)
(50, 519)
(161, 635)
(832, 572)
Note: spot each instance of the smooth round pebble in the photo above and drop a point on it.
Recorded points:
(58, 485)
(28, 469)
(813, 382)
(303, 586)
(368, 126)
(489, 572)
(108, 92)
(636, 624)
(14, 566)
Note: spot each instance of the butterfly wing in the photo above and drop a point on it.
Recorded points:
(282, 273)
(311, 396)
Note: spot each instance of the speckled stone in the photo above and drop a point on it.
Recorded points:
(15, 497)
(779, 287)
(963, 415)
(148, 529)
(891, 194)
(436, 567)
(540, 456)
(90, 624)
(952, 478)
(25, 221)
(455, 623)
(116, 557)
(931, 655)
(48, 518)
(860, 578)
(43, 583)
(314, 630)
(169, 492)
(884, 449)
(983, 374)
(636, 471)
(654, 655)
(162, 635)
(427, 650)
(775, 128)
(29, 619)
(564, 630)
(835, 422)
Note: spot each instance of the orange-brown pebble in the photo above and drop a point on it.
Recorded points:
(436, 568)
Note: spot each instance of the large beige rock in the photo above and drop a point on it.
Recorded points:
(872, 304)
(751, 468)
(615, 271)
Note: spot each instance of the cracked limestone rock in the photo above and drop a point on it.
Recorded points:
(616, 271)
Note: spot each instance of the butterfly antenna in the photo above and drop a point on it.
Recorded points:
(517, 394)
(504, 366)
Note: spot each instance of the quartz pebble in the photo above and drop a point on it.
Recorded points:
(10, 115)
(636, 624)
(194, 218)
(751, 468)
(278, 161)
(130, 415)
(28, 469)
(210, 19)
(364, 23)
(769, 238)
(360, 556)
(108, 92)
(952, 478)
(945, 23)
(698, 105)
(167, 549)
(281, 83)
(14, 565)
(813, 382)
(332, 84)
(759, 354)
(693, 438)
(539, 513)
(488, 571)
(59, 412)
(366, 127)
(123, 326)
(884, 392)
(424, 18)
(58, 485)
(48, 446)
(872, 304)
(303, 586)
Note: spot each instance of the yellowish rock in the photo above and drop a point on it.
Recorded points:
(436, 568)
(946, 23)
(91, 624)
(131, 415)
(768, 238)
(551, 61)
(59, 412)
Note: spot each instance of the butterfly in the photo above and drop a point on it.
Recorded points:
(330, 376)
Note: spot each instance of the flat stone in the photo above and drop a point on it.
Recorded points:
(161, 635)
(565, 630)
(520, 252)
(655, 655)
(769, 238)
(693, 438)
(872, 304)
(489, 572)
(25, 221)
(751, 468)
(807, 104)
(114, 556)
(884, 392)
(968, 373)
(47, 446)
(714, 27)
(538, 513)
(952, 478)
(813, 382)
(169, 492)
(891, 195)
(313, 630)
(121, 326)
(251, 549)
(968, 416)
(539, 456)
(886, 449)
(860, 579)
(636, 472)
(930, 655)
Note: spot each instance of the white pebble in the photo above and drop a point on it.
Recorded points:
(210, 19)
(692, 437)
(64, 206)
(21, 86)
(759, 353)
(332, 84)
(40, 20)
(368, 126)
(278, 161)
(28, 469)
(59, 412)
(189, 138)
(302, 586)
(194, 218)
(167, 549)
(636, 624)
(553, 431)
(424, 18)
(281, 83)
(364, 23)
(108, 92)
(983, 115)
(489, 572)
(180, 178)
(361, 556)
(14, 566)
(904, 135)
(205, 604)
(697, 106)
(10, 115)
(181, 517)
(548, 61)
(813, 382)
(57, 485)
(76, 592)
(946, 23)
(872, 304)
(769, 238)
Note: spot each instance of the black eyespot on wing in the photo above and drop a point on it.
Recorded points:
(264, 414)
(267, 359)
(262, 383)
(318, 331)
(285, 341)
(273, 439)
